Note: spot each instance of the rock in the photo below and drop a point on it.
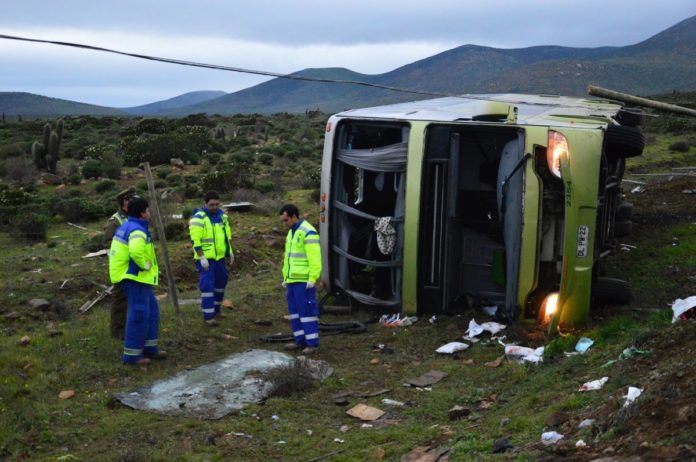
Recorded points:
(344, 428)
(556, 419)
(458, 412)
(177, 163)
(50, 178)
(60, 187)
(24, 341)
(504, 422)
(380, 453)
(39, 303)
(66, 394)
(210, 440)
(374, 361)
(501, 445)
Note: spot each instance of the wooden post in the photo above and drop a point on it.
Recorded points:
(626, 98)
(159, 225)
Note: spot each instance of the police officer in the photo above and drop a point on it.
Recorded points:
(133, 265)
(301, 270)
(119, 305)
(211, 237)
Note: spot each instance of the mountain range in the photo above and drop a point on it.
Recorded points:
(661, 64)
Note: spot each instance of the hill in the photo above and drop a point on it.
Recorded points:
(186, 99)
(31, 105)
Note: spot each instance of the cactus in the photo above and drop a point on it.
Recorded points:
(46, 154)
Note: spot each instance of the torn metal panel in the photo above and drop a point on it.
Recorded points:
(214, 390)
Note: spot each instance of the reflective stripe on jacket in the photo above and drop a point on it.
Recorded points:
(131, 248)
(302, 260)
(209, 233)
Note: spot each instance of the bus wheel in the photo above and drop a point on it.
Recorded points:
(623, 142)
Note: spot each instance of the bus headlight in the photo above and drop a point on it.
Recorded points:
(557, 149)
(549, 307)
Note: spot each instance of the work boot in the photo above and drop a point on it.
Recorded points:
(309, 350)
(212, 323)
(292, 346)
(160, 355)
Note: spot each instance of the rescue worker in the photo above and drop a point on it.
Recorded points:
(301, 270)
(119, 304)
(211, 238)
(133, 266)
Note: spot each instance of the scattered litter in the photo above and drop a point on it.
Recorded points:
(593, 384)
(427, 379)
(522, 354)
(627, 247)
(637, 189)
(689, 191)
(366, 425)
(471, 339)
(392, 402)
(496, 362)
(374, 361)
(64, 282)
(309, 432)
(66, 394)
(626, 354)
(452, 347)
(275, 417)
(490, 310)
(432, 319)
(632, 394)
(580, 444)
(680, 308)
(98, 253)
(458, 412)
(583, 344)
(365, 412)
(549, 438)
(344, 428)
(281, 442)
(586, 423)
(396, 320)
(24, 341)
(475, 329)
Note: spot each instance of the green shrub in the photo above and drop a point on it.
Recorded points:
(111, 165)
(82, 208)
(74, 178)
(104, 185)
(312, 179)
(175, 230)
(159, 184)
(264, 186)
(94, 243)
(11, 150)
(163, 172)
(92, 169)
(174, 180)
(265, 158)
(31, 226)
(213, 158)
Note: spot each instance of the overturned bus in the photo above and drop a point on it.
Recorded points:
(507, 200)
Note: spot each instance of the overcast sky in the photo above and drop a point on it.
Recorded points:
(284, 36)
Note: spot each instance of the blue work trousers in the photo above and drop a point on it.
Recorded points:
(142, 325)
(304, 313)
(212, 285)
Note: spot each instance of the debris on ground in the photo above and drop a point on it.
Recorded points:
(452, 347)
(365, 412)
(392, 402)
(627, 353)
(66, 394)
(427, 454)
(496, 362)
(524, 354)
(427, 379)
(632, 394)
(458, 412)
(683, 309)
(594, 384)
(24, 341)
(583, 344)
(549, 438)
(98, 253)
(501, 445)
(475, 329)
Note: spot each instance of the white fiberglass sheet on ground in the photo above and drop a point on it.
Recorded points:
(214, 390)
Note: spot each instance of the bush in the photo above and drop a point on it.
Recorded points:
(265, 158)
(29, 226)
(312, 179)
(175, 230)
(174, 180)
(19, 169)
(104, 185)
(264, 186)
(92, 169)
(11, 150)
(163, 172)
(213, 158)
(160, 184)
(111, 165)
(82, 208)
(74, 178)
(680, 146)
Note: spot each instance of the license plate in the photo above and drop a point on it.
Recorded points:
(583, 238)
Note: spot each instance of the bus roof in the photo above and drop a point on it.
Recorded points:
(531, 109)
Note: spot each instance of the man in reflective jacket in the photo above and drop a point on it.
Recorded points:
(119, 303)
(211, 238)
(133, 265)
(301, 270)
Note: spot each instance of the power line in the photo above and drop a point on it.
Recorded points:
(227, 68)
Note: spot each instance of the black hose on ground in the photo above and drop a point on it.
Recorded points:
(347, 327)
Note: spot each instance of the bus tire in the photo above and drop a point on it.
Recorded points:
(630, 117)
(623, 142)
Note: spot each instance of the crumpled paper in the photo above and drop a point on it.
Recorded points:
(522, 354)
(593, 384)
(452, 347)
(680, 307)
(476, 329)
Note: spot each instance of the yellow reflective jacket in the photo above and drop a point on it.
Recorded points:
(210, 233)
(131, 249)
(302, 260)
